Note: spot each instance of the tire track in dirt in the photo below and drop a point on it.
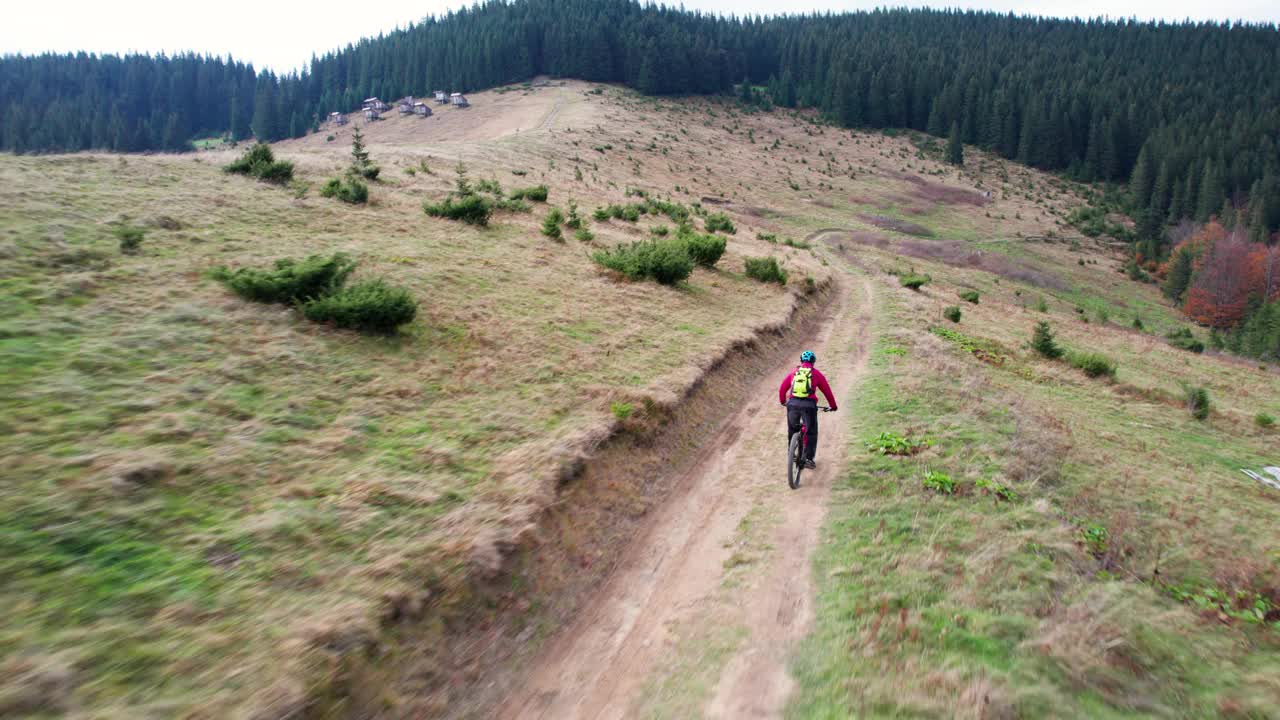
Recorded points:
(673, 573)
(550, 117)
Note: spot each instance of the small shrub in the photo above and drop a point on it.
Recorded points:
(1182, 338)
(328, 138)
(620, 410)
(1264, 420)
(719, 222)
(1093, 364)
(1096, 538)
(512, 205)
(659, 230)
(130, 238)
(913, 281)
(551, 224)
(370, 306)
(573, 220)
(537, 193)
(290, 281)
(470, 209)
(1041, 305)
(631, 213)
(666, 261)
(767, 237)
(704, 249)
(1001, 492)
(370, 172)
(1135, 271)
(1198, 402)
(259, 162)
(257, 154)
(970, 296)
(952, 313)
(348, 190)
(489, 186)
(939, 482)
(1137, 323)
(765, 269)
(1042, 342)
(601, 214)
(889, 443)
(584, 235)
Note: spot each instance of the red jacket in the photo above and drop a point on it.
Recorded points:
(819, 382)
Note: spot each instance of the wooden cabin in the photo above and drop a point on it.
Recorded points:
(421, 109)
(337, 118)
(442, 97)
(458, 100)
(374, 103)
(372, 113)
(405, 106)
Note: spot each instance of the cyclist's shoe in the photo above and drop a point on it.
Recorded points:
(810, 465)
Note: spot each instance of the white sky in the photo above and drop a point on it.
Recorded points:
(284, 35)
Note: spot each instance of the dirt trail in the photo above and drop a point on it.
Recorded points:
(675, 582)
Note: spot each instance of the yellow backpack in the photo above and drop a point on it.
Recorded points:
(802, 383)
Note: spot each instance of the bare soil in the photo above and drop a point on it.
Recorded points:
(681, 564)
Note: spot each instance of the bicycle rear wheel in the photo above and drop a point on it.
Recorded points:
(795, 463)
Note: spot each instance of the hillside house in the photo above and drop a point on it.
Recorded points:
(371, 113)
(374, 103)
(421, 109)
(337, 118)
(458, 100)
(441, 97)
(405, 106)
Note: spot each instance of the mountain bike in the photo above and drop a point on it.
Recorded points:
(795, 453)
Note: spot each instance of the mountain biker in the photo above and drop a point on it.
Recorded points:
(799, 393)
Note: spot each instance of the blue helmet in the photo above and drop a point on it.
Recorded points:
(807, 356)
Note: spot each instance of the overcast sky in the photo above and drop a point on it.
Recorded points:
(284, 35)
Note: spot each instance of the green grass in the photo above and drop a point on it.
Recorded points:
(927, 602)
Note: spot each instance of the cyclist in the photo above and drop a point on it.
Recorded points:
(799, 393)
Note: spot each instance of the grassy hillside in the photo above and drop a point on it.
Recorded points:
(1093, 550)
(211, 503)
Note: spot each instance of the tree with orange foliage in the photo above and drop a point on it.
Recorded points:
(1224, 279)
(1264, 271)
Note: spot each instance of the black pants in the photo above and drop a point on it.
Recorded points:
(807, 409)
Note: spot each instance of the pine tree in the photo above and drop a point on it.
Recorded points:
(359, 156)
(1143, 180)
(264, 112)
(235, 130)
(955, 150)
(788, 87)
(1179, 276)
(1042, 341)
(1210, 196)
(1258, 230)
